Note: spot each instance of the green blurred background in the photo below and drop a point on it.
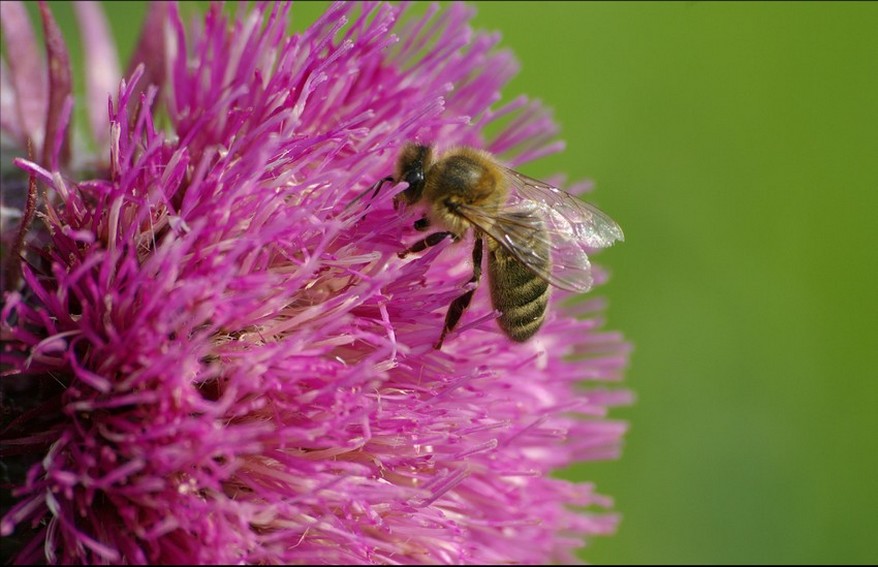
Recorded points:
(737, 145)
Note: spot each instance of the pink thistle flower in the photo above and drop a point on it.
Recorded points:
(209, 357)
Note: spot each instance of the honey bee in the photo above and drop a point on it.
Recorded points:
(536, 234)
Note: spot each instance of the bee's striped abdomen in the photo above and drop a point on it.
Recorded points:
(517, 292)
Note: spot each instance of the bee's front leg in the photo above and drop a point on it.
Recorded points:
(422, 224)
(428, 242)
(459, 305)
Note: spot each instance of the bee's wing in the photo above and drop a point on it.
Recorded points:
(548, 230)
(573, 218)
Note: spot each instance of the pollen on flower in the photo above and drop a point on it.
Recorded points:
(209, 356)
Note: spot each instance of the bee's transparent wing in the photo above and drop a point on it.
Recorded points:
(573, 218)
(548, 230)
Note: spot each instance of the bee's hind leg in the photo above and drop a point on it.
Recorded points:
(459, 305)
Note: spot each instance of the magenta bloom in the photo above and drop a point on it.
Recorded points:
(208, 357)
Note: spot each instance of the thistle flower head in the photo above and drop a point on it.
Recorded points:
(213, 357)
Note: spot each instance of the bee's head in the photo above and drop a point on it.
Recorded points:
(412, 166)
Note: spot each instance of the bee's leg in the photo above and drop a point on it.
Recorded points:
(459, 305)
(422, 224)
(424, 243)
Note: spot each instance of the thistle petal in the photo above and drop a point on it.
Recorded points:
(56, 147)
(27, 75)
(219, 359)
(102, 66)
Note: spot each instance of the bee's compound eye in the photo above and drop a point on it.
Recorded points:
(414, 177)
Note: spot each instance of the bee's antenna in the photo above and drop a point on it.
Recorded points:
(378, 184)
(374, 189)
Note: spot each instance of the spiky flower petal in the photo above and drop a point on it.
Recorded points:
(214, 359)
